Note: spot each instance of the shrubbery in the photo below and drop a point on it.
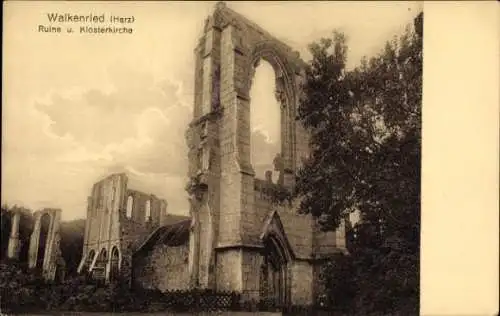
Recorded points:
(23, 291)
(365, 133)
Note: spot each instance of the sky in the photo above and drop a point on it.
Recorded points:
(77, 107)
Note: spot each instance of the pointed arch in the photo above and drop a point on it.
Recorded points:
(115, 260)
(275, 288)
(147, 211)
(130, 206)
(273, 230)
(45, 222)
(286, 92)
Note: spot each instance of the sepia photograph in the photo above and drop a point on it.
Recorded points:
(211, 158)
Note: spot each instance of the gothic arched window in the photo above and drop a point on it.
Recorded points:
(130, 204)
(148, 211)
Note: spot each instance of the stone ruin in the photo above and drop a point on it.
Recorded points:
(43, 251)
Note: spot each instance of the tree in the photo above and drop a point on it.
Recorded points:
(72, 235)
(365, 127)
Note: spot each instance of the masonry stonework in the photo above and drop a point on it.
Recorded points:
(164, 268)
(237, 237)
(119, 220)
(47, 223)
(302, 283)
(43, 251)
(232, 214)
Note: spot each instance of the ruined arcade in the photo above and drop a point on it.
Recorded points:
(42, 252)
(238, 237)
(119, 220)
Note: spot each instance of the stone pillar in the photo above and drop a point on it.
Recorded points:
(13, 248)
(229, 272)
(206, 244)
(194, 242)
(251, 266)
(107, 268)
(87, 225)
(34, 240)
(163, 211)
(50, 244)
(238, 233)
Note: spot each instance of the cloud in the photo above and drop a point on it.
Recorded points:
(263, 153)
(76, 137)
(79, 108)
(99, 117)
(139, 122)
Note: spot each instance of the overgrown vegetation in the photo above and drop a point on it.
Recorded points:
(72, 233)
(366, 139)
(276, 194)
(24, 291)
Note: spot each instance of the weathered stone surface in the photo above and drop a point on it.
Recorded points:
(238, 235)
(302, 283)
(110, 225)
(232, 219)
(164, 268)
(13, 247)
(228, 269)
(52, 258)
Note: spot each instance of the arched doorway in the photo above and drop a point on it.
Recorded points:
(42, 241)
(274, 278)
(114, 264)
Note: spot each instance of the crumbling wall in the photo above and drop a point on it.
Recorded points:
(51, 256)
(104, 204)
(157, 207)
(136, 229)
(302, 283)
(108, 225)
(164, 268)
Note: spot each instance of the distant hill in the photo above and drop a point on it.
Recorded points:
(72, 233)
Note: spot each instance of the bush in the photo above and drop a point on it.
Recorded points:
(24, 291)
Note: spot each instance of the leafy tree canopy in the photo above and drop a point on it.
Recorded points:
(365, 134)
